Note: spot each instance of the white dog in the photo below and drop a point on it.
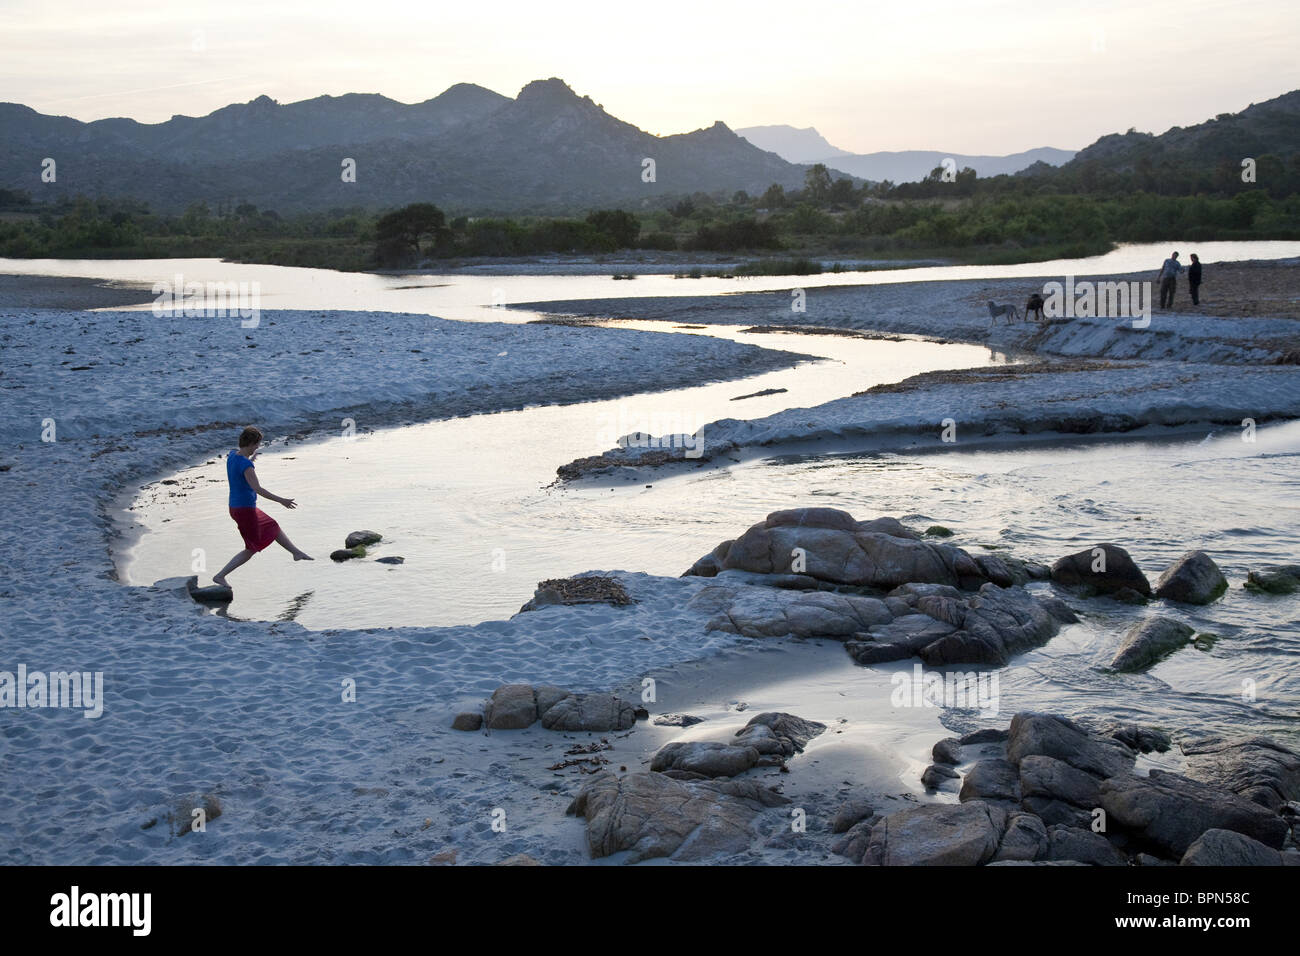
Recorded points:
(996, 310)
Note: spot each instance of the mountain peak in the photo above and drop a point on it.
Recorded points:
(549, 91)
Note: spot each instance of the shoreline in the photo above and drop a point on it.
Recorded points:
(1116, 377)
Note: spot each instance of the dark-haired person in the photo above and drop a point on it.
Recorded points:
(257, 528)
(1194, 279)
(1169, 280)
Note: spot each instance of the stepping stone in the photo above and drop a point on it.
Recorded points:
(213, 594)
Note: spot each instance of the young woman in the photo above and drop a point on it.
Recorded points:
(257, 528)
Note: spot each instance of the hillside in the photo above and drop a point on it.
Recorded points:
(469, 150)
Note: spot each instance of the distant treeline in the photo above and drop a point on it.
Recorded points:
(1080, 209)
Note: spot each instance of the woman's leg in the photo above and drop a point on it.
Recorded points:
(283, 541)
(236, 561)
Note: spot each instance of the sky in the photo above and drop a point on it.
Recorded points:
(978, 77)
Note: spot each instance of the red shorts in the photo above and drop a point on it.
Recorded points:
(257, 528)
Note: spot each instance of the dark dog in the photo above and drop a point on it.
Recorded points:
(1035, 305)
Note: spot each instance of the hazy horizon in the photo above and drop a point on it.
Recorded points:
(993, 77)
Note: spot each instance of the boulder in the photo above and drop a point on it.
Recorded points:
(467, 721)
(1146, 642)
(391, 559)
(1138, 738)
(1192, 579)
(677, 720)
(947, 751)
(1073, 843)
(769, 612)
(704, 758)
(1053, 812)
(512, 707)
(547, 696)
(1276, 579)
(830, 545)
(901, 638)
(709, 565)
(1256, 768)
(347, 554)
(359, 539)
(936, 775)
(1229, 848)
(851, 812)
(213, 594)
(961, 834)
(991, 779)
(1048, 735)
(1025, 838)
(1050, 779)
(947, 626)
(853, 844)
(1103, 569)
(986, 735)
(1172, 811)
(782, 735)
(652, 815)
(589, 712)
(996, 623)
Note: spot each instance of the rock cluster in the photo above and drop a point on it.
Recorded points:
(767, 740)
(655, 815)
(1063, 794)
(679, 810)
(516, 706)
(354, 546)
(829, 545)
(937, 623)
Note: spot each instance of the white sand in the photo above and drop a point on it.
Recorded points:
(253, 712)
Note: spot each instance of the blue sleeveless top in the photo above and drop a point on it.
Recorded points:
(242, 494)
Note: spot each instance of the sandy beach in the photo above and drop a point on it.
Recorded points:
(335, 746)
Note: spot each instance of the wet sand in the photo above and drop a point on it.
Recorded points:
(59, 292)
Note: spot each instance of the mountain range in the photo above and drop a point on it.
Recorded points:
(809, 146)
(546, 151)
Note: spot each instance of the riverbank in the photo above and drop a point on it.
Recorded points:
(1166, 368)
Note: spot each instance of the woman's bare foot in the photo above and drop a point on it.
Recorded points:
(220, 580)
(302, 556)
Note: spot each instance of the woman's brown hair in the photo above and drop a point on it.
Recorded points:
(250, 436)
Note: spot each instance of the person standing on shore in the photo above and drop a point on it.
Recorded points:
(1169, 280)
(256, 527)
(1194, 279)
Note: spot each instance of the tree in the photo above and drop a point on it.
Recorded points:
(402, 229)
(817, 182)
(621, 226)
(841, 193)
(774, 198)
